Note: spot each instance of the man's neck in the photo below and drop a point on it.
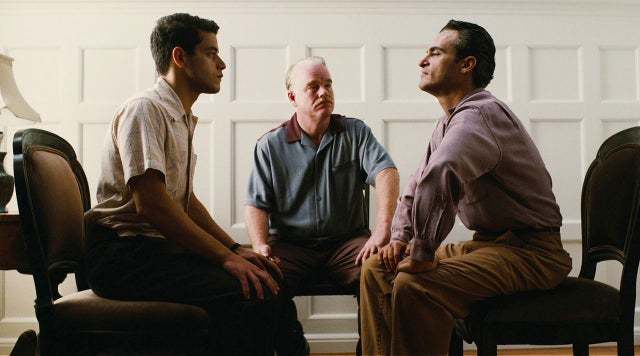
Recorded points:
(185, 93)
(314, 128)
(453, 97)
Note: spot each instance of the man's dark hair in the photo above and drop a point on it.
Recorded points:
(477, 42)
(177, 30)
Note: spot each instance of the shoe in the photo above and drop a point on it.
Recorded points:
(26, 344)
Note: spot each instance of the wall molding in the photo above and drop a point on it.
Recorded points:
(615, 8)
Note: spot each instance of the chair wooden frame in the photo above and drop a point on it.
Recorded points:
(610, 231)
(139, 330)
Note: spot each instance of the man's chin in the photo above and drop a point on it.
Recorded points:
(214, 90)
(324, 110)
(323, 115)
(210, 89)
(424, 86)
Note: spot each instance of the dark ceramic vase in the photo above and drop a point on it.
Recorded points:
(6, 185)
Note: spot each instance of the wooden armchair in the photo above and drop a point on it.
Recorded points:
(580, 311)
(53, 195)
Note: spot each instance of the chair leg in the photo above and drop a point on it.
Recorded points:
(580, 349)
(26, 345)
(455, 344)
(625, 345)
(359, 344)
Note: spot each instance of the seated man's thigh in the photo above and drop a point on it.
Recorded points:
(142, 268)
(341, 263)
(296, 262)
(460, 280)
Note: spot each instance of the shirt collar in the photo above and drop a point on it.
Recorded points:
(170, 100)
(294, 131)
(464, 100)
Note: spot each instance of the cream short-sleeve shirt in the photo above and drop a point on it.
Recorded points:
(150, 131)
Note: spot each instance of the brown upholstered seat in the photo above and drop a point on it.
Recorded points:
(53, 195)
(580, 311)
(87, 311)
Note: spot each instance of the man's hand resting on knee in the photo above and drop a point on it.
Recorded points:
(248, 273)
(376, 241)
(391, 254)
(263, 260)
(410, 265)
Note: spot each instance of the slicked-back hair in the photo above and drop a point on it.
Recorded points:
(474, 40)
(288, 78)
(177, 30)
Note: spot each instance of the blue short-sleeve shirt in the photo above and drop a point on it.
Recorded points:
(314, 192)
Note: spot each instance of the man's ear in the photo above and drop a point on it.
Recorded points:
(292, 97)
(468, 65)
(177, 57)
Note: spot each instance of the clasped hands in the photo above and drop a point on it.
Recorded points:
(395, 256)
(254, 269)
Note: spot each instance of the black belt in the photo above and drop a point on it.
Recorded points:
(535, 231)
(521, 232)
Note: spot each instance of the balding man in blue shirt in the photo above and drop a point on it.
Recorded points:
(305, 203)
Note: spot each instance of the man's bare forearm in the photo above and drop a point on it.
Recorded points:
(201, 216)
(387, 190)
(257, 221)
(156, 206)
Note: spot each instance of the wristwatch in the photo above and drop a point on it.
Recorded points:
(234, 247)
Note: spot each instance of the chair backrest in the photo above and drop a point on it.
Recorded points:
(53, 194)
(611, 212)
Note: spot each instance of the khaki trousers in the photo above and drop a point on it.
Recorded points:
(413, 314)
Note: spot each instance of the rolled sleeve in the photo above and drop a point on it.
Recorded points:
(140, 139)
(373, 156)
(260, 188)
(401, 226)
(467, 151)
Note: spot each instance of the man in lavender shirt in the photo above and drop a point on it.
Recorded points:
(482, 166)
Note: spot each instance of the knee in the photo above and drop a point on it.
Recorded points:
(405, 284)
(371, 269)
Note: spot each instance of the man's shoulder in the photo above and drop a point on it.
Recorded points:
(274, 134)
(349, 123)
(481, 101)
(141, 100)
(143, 106)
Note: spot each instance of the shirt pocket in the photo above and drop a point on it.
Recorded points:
(345, 177)
(344, 166)
(474, 192)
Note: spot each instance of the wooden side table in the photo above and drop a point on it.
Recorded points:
(12, 250)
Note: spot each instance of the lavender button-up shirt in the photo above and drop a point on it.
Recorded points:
(482, 165)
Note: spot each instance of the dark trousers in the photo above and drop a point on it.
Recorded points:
(334, 261)
(146, 268)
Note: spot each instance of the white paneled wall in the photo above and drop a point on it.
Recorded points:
(568, 68)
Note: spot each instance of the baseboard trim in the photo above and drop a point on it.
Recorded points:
(339, 343)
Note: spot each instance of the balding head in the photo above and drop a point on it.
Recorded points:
(310, 89)
(293, 69)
